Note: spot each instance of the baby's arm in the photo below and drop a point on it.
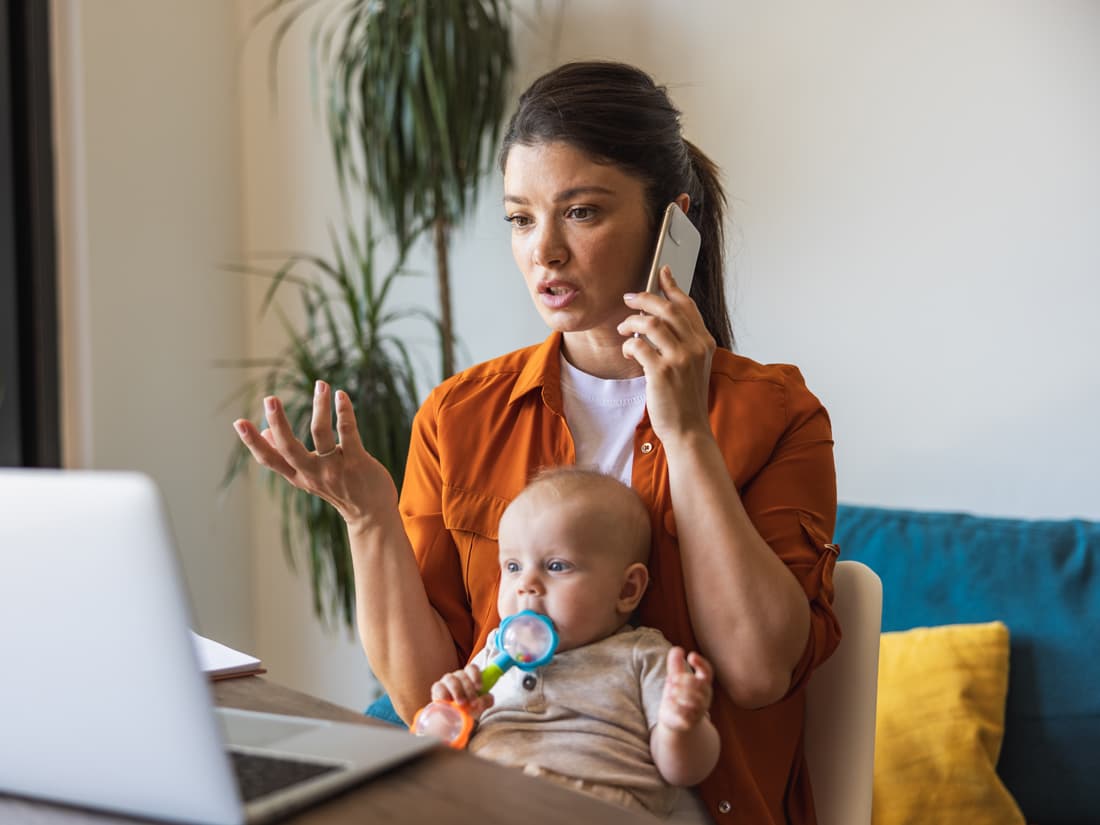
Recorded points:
(684, 743)
(462, 687)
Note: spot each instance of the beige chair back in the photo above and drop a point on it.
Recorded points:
(840, 703)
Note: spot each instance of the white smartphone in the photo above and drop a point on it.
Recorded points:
(677, 248)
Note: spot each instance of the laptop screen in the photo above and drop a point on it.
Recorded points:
(96, 648)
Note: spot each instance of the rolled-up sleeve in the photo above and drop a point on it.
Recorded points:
(792, 503)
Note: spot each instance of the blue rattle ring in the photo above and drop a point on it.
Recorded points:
(528, 660)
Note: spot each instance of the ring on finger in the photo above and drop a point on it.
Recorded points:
(327, 453)
(645, 338)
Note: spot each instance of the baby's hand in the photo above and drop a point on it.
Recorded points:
(462, 687)
(687, 695)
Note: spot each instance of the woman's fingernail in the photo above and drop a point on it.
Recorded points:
(239, 427)
(319, 388)
(269, 403)
(630, 296)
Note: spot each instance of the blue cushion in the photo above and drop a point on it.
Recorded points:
(382, 708)
(1042, 579)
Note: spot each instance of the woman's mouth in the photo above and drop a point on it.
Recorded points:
(556, 294)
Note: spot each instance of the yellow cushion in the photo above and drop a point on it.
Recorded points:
(940, 722)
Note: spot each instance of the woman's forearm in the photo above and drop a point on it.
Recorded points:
(750, 615)
(406, 641)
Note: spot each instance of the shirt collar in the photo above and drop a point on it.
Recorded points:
(542, 370)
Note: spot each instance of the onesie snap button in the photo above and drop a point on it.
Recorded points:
(647, 448)
(529, 682)
(724, 807)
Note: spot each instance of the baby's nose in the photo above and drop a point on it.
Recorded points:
(529, 584)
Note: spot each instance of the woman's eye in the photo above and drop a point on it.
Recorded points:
(517, 221)
(581, 213)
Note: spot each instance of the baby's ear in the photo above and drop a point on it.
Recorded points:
(635, 581)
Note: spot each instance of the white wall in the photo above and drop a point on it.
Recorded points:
(916, 199)
(148, 208)
(919, 203)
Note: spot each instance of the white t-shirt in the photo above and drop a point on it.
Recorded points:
(603, 414)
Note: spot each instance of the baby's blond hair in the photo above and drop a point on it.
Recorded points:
(606, 494)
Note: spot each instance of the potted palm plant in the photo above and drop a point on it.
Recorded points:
(415, 93)
(347, 338)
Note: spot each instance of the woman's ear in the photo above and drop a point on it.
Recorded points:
(635, 581)
(683, 200)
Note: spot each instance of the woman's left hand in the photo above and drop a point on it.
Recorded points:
(675, 353)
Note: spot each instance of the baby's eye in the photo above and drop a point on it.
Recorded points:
(558, 566)
(581, 213)
(511, 567)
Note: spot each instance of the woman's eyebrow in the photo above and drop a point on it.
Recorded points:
(564, 195)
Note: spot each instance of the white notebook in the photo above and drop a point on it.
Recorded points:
(220, 661)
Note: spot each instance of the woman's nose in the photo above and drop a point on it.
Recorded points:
(550, 249)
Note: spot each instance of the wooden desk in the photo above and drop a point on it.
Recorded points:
(444, 786)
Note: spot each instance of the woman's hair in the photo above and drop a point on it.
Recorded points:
(616, 114)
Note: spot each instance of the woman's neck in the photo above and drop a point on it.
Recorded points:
(599, 353)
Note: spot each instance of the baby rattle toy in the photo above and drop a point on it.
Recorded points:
(527, 640)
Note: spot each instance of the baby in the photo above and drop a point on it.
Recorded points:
(618, 712)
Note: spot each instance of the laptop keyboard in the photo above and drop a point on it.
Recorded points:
(260, 775)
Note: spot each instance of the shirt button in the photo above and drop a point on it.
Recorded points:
(529, 682)
(724, 807)
(647, 448)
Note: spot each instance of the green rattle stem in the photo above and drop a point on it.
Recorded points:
(493, 671)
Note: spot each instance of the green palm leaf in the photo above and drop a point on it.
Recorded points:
(344, 339)
(414, 94)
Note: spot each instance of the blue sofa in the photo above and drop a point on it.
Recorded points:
(1042, 579)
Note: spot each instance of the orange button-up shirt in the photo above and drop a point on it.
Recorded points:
(483, 433)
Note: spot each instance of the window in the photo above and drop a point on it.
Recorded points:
(29, 375)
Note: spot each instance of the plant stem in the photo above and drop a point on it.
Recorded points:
(443, 280)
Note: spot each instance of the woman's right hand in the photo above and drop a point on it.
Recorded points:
(344, 474)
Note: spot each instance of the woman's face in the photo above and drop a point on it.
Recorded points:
(581, 235)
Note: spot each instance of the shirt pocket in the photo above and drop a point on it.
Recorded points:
(472, 519)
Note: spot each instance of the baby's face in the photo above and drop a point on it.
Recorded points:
(557, 558)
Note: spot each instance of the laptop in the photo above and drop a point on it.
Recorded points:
(102, 700)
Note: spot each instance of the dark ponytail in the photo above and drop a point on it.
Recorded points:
(707, 212)
(616, 113)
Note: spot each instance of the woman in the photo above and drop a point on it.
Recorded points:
(733, 458)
